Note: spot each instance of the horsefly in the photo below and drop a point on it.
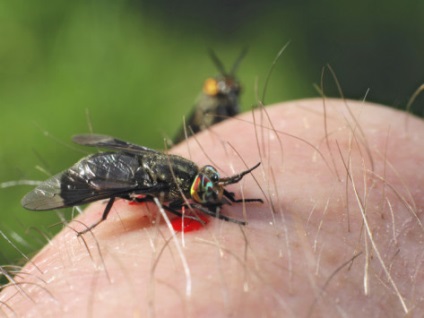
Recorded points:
(139, 174)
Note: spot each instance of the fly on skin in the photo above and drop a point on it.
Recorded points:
(135, 173)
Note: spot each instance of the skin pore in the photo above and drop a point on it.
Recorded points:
(340, 233)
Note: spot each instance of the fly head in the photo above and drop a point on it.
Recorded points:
(205, 188)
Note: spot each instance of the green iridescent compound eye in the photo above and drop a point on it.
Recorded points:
(211, 173)
(205, 189)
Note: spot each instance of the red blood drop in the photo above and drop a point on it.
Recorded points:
(188, 225)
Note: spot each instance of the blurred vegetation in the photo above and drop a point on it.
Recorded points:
(132, 69)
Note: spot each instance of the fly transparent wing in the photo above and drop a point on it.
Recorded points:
(64, 190)
(45, 196)
(103, 141)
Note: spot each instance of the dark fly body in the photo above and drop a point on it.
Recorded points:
(139, 174)
(218, 100)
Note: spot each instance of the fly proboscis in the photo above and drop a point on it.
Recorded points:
(136, 173)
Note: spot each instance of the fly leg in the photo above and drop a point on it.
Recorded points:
(216, 214)
(230, 195)
(176, 212)
(104, 217)
(172, 208)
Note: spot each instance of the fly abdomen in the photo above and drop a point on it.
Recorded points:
(100, 176)
(113, 166)
(93, 178)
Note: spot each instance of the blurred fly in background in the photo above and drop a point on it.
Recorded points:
(218, 100)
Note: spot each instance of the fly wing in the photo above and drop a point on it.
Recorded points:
(63, 190)
(93, 178)
(103, 141)
(46, 196)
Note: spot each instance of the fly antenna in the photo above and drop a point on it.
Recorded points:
(215, 59)
(239, 59)
(236, 178)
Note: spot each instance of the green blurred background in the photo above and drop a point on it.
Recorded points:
(137, 66)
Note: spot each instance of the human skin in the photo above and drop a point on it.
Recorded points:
(340, 233)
